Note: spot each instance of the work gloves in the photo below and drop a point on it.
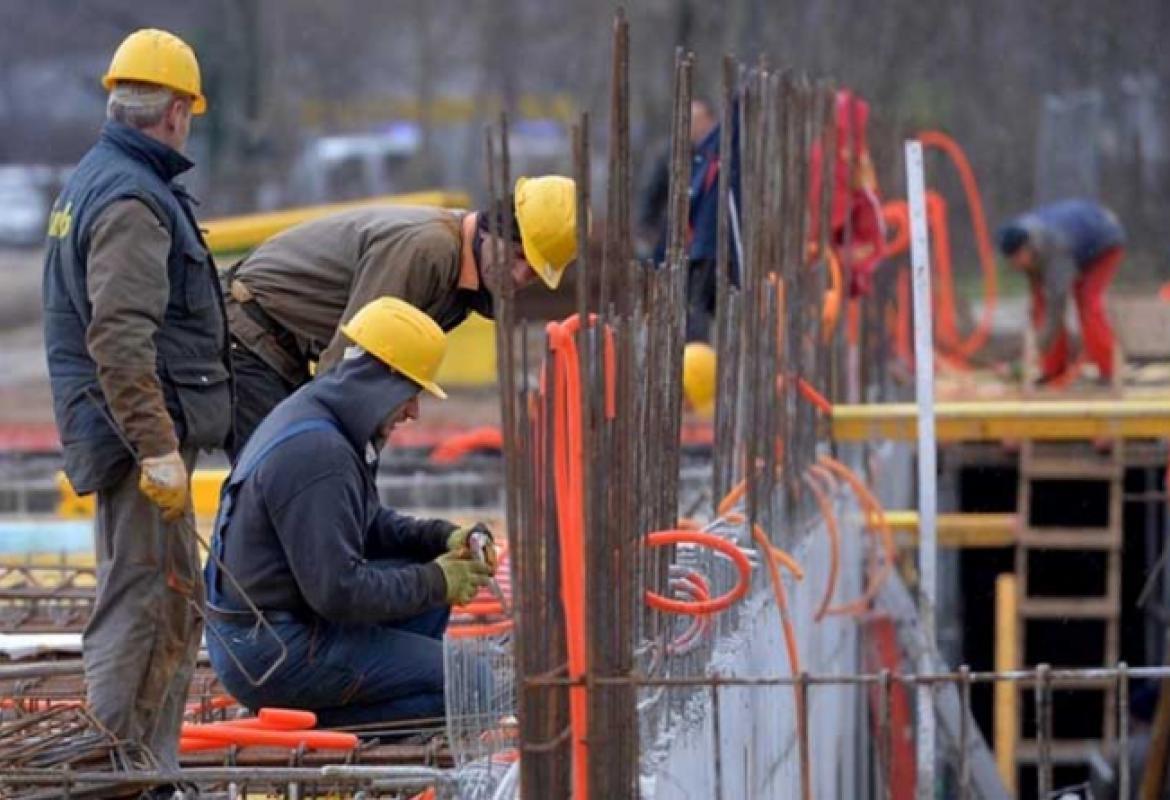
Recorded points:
(464, 577)
(460, 541)
(164, 481)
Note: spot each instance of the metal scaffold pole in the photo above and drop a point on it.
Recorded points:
(927, 498)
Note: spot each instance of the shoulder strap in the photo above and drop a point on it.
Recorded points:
(231, 487)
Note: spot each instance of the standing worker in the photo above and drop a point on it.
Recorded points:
(1072, 245)
(288, 296)
(359, 594)
(702, 216)
(135, 336)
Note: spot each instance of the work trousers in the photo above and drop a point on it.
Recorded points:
(346, 674)
(259, 389)
(1089, 291)
(140, 645)
(700, 300)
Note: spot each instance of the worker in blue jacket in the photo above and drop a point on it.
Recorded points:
(359, 594)
(1072, 247)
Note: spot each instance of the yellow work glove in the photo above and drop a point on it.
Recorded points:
(164, 481)
(464, 577)
(458, 543)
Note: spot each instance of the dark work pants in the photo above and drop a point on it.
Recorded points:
(346, 674)
(700, 300)
(259, 389)
(140, 644)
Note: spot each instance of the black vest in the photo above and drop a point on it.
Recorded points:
(191, 344)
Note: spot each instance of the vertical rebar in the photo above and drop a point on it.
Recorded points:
(885, 727)
(1043, 731)
(718, 743)
(964, 732)
(1123, 779)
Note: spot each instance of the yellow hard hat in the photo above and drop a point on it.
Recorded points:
(546, 212)
(159, 57)
(402, 337)
(699, 377)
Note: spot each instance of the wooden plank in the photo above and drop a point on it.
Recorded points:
(1070, 539)
(1071, 608)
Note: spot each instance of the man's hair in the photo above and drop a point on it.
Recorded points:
(139, 105)
(1011, 238)
(495, 214)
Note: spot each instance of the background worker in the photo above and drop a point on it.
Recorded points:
(135, 332)
(699, 378)
(287, 297)
(702, 217)
(358, 593)
(857, 229)
(1072, 245)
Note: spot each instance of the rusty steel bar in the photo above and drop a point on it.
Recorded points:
(1062, 678)
(964, 732)
(1123, 776)
(1043, 695)
(886, 733)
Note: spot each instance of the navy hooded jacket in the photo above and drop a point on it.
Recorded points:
(307, 530)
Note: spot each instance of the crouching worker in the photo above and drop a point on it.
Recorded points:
(359, 594)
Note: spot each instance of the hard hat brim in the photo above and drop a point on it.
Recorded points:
(548, 274)
(198, 101)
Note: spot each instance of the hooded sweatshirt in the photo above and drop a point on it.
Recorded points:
(307, 529)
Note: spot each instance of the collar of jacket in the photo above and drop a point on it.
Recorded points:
(167, 162)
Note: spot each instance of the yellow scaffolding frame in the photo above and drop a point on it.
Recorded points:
(237, 234)
(1008, 419)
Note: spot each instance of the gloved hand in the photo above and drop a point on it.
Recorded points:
(464, 577)
(164, 481)
(458, 543)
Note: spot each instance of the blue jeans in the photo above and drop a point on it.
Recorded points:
(346, 674)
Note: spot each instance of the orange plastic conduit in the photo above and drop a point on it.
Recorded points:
(456, 447)
(716, 604)
(826, 509)
(774, 557)
(567, 457)
(245, 737)
(978, 337)
(876, 515)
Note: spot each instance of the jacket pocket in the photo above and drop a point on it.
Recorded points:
(203, 395)
(198, 277)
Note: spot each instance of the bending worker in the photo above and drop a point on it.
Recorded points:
(1073, 245)
(359, 594)
(289, 295)
(135, 334)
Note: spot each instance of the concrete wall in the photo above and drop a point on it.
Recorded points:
(755, 753)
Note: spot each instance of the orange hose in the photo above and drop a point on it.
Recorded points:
(567, 467)
(831, 306)
(247, 737)
(476, 631)
(732, 497)
(876, 514)
(978, 337)
(826, 509)
(721, 603)
(896, 215)
(773, 558)
(456, 447)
